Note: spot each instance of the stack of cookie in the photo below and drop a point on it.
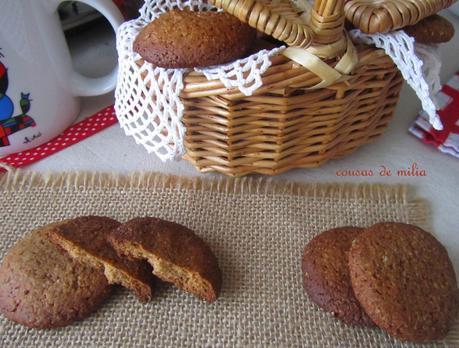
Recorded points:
(62, 272)
(392, 275)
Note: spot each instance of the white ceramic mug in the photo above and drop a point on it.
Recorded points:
(39, 90)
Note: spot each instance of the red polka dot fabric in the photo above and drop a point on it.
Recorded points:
(76, 133)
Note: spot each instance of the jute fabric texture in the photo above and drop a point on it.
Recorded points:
(257, 229)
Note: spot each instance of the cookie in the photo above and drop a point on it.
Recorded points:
(326, 277)
(176, 253)
(41, 286)
(431, 30)
(188, 39)
(404, 279)
(85, 239)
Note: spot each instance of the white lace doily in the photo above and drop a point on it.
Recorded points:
(147, 100)
(419, 65)
(431, 67)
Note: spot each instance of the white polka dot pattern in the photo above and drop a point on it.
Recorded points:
(78, 132)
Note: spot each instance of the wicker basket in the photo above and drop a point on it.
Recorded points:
(289, 123)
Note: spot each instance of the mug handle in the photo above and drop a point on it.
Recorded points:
(84, 86)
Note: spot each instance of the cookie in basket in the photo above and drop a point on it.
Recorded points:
(326, 277)
(188, 39)
(404, 279)
(85, 239)
(176, 254)
(41, 286)
(431, 30)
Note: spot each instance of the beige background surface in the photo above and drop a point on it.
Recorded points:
(257, 230)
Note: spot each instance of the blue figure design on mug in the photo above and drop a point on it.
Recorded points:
(10, 124)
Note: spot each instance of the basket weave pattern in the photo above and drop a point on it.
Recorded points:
(285, 124)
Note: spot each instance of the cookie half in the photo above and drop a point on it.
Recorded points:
(326, 277)
(85, 239)
(431, 30)
(176, 254)
(405, 281)
(188, 39)
(41, 286)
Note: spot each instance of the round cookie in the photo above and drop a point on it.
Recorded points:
(431, 30)
(175, 252)
(42, 287)
(188, 39)
(404, 280)
(326, 275)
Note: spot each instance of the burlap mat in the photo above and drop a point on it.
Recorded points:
(257, 230)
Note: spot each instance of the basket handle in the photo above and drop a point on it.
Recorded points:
(269, 18)
(278, 19)
(327, 21)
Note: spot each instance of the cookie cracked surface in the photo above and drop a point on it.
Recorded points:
(188, 39)
(326, 277)
(41, 286)
(405, 281)
(176, 254)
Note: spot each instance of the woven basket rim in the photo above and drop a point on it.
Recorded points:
(192, 89)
